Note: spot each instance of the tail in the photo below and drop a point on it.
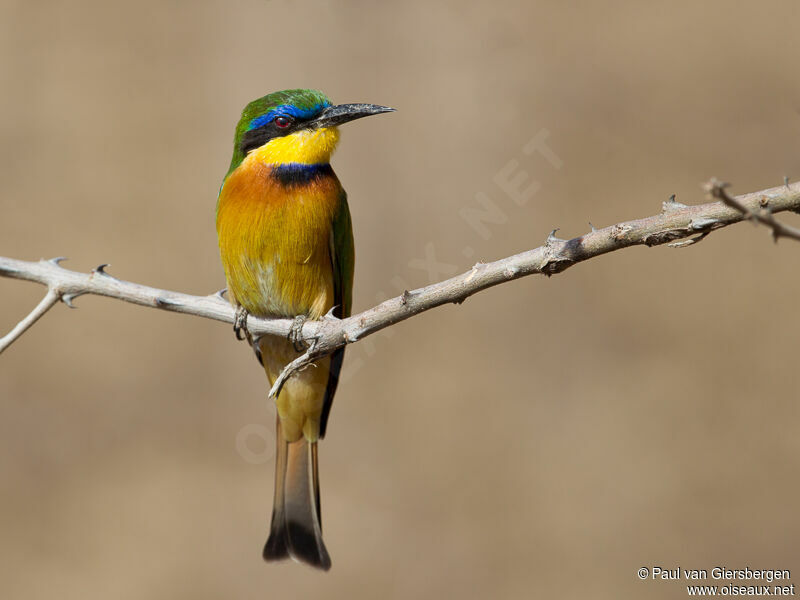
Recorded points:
(296, 529)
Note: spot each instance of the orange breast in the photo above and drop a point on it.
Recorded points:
(275, 241)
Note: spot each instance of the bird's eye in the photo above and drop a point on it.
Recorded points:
(283, 122)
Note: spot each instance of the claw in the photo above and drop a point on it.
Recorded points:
(240, 323)
(257, 350)
(296, 334)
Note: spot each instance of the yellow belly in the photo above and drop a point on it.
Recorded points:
(275, 244)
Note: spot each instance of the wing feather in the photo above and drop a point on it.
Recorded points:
(343, 260)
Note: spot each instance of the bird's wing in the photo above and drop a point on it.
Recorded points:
(343, 259)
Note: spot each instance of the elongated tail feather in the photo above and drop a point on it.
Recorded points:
(277, 547)
(296, 529)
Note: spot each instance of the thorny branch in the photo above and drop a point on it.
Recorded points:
(762, 215)
(690, 224)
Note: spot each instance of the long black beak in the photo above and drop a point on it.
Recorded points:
(342, 113)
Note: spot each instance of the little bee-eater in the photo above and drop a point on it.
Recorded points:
(286, 243)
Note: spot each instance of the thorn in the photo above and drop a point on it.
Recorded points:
(56, 260)
(683, 243)
(330, 315)
(702, 223)
(552, 237)
(100, 270)
(786, 182)
(68, 298)
(405, 297)
(672, 204)
(161, 301)
(220, 293)
(592, 226)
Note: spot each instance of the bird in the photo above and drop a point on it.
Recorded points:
(286, 244)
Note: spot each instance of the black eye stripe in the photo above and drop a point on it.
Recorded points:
(259, 136)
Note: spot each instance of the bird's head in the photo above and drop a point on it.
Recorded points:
(294, 126)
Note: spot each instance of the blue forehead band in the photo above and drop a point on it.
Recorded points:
(288, 109)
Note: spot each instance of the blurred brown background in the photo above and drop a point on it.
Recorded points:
(548, 437)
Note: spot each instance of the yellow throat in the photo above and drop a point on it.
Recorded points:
(306, 147)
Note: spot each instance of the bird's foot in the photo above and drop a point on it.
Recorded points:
(240, 324)
(296, 334)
